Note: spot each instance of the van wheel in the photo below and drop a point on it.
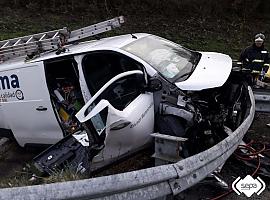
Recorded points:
(170, 125)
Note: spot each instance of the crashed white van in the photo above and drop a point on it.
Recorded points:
(119, 90)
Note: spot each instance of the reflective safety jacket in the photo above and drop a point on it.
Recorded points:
(255, 58)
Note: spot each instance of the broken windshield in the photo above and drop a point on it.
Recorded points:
(170, 59)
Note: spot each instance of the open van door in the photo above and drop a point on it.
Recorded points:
(122, 113)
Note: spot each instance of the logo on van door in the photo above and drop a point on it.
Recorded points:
(9, 82)
(19, 94)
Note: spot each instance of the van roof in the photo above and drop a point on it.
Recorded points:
(109, 43)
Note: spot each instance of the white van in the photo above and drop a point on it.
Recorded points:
(122, 89)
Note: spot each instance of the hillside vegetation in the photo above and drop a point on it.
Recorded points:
(205, 25)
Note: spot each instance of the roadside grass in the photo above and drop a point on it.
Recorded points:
(25, 177)
(227, 36)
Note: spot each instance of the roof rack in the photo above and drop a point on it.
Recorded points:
(52, 40)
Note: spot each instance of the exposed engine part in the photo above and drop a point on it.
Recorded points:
(182, 101)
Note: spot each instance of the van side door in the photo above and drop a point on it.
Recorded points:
(123, 96)
(28, 110)
(127, 116)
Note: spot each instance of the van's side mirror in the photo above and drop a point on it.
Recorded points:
(154, 85)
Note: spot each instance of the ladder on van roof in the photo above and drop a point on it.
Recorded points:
(52, 40)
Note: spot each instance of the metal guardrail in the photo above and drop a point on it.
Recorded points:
(262, 99)
(150, 183)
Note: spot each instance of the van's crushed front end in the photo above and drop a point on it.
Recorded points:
(207, 116)
(200, 95)
(197, 98)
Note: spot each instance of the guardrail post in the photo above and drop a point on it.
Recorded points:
(262, 99)
(167, 148)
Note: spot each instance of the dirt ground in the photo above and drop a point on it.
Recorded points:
(13, 162)
(259, 132)
(234, 168)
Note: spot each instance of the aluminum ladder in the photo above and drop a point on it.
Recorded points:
(52, 40)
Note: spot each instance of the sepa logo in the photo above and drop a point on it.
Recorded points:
(248, 186)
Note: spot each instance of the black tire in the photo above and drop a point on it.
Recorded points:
(170, 125)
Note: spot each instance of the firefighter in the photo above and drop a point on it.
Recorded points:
(256, 57)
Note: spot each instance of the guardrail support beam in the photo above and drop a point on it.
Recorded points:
(167, 148)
